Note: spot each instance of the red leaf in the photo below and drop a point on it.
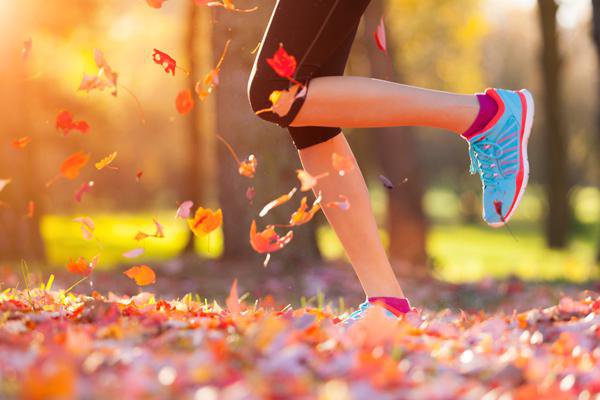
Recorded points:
(80, 267)
(165, 60)
(83, 189)
(184, 102)
(233, 302)
(380, 38)
(65, 122)
(282, 63)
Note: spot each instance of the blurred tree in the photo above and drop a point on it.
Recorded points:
(556, 167)
(192, 186)
(596, 35)
(247, 134)
(406, 220)
(20, 236)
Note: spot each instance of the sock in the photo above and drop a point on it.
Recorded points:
(487, 111)
(395, 305)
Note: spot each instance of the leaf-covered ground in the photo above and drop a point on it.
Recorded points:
(62, 345)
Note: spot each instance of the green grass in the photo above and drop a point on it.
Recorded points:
(459, 252)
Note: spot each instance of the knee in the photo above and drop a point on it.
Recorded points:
(258, 92)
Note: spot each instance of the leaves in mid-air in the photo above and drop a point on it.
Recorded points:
(87, 227)
(283, 63)
(184, 102)
(83, 189)
(184, 210)
(81, 266)
(342, 164)
(106, 77)
(66, 123)
(155, 3)
(277, 202)
(166, 61)
(268, 241)
(106, 161)
(210, 81)
(21, 142)
(4, 183)
(71, 166)
(205, 221)
(143, 275)
(380, 38)
(304, 215)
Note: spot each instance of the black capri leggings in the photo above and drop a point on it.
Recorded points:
(319, 33)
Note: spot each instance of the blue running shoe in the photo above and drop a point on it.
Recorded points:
(499, 154)
(401, 307)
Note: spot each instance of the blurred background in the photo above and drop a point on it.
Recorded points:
(431, 223)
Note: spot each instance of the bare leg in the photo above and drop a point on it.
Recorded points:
(358, 102)
(356, 228)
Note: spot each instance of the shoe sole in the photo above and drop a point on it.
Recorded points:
(527, 99)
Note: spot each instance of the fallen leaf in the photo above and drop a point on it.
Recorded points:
(142, 274)
(277, 202)
(233, 302)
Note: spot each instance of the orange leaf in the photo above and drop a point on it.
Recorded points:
(80, 267)
(30, 209)
(155, 3)
(343, 204)
(184, 102)
(308, 181)
(247, 167)
(211, 80)
(268, 240)
(106, 161)
(205, 221)
(21, 142)
(342, 164)
(71, 166)
(277, 202)
(303, 215)
(3, 183)
(142, 274)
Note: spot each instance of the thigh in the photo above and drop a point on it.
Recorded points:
(318, 33)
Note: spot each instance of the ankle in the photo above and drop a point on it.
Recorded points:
(396, 305)
(488, 109)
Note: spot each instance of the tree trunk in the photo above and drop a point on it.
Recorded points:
(20, 237)
(556, 166)
(192, 186)
(277, 159)
(406, 220)
(596, 34)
